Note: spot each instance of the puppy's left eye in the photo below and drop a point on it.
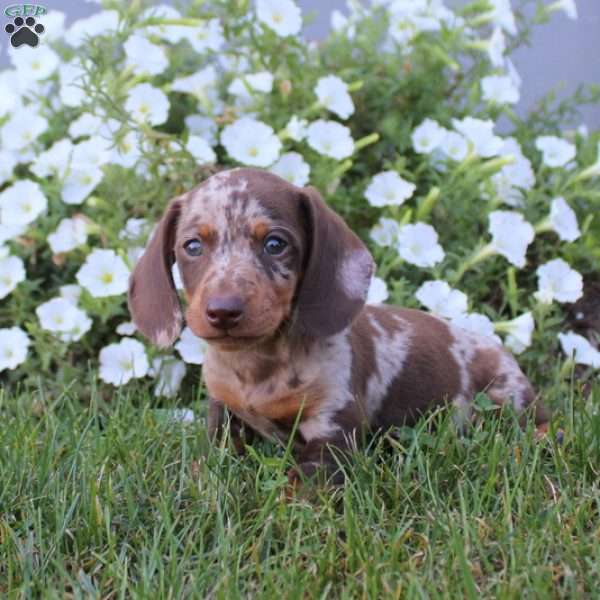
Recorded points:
(193, 247)
(274, 245)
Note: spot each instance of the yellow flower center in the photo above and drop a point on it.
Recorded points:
(107, 278)
(253, 151)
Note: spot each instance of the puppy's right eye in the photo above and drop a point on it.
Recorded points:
(193, 247)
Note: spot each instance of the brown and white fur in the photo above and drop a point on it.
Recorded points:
(290, 339)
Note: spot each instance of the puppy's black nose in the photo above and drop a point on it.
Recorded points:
(225, 312)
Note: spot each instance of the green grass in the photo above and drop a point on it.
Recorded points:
(111, 501)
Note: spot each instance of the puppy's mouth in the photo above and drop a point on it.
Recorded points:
(230, 341)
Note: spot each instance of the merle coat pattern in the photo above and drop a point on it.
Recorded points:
(276, 283)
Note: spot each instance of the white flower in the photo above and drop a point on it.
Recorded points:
(476, 323)
(200, 150)
(427, 136)
(203, 126)
(9, 232)
(69, 234)
(418, 245)
(119, 363)
(258, 82)
(282, 16)
(34, 64)
(333, 94)
(568, 6)
(72, 91)
(579, 348)
(441, 299)
(104, 273)
(481, 134)
(135, 229)
(385, 232)
(134, 254)
(172, 33)
(190, 347)
(512, 72)
(499, 89)
(511, 235)
(330, 139)
(296, 128)
(94, 152)
(558, 281)
(54, 23)
(57, 315)
(126, 152)
(202, 85)
(144, 57)
(563, 220)
(519, 332)
(13, 347)
(101, 23)
(170, 373)
(22, 129)
(251, 142)
(147, 104)
(513, 177)
(208, 36)
(502, 15)
(378, 291)
(12, 272)
(176, 274)
(556, 152)
(126, 328)
(292, 166)
(496, 46)
(177, 415)
(70, 292)
(340, 23)
(454, 146)
(79, 183)
(62, 316)
(22, 203)
(8, 162)
(55, 160)
(388, 189)
(10, 98)
(81, 325)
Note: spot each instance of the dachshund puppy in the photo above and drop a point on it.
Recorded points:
(276, 283)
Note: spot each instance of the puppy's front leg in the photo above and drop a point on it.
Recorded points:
(220, 420)
(321, 457)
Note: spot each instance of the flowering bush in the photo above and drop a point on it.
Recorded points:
(394, 117)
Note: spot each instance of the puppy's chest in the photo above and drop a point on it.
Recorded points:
(270, 391)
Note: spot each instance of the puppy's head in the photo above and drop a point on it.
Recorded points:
(254, 253)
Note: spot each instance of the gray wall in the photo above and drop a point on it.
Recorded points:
(564, 52)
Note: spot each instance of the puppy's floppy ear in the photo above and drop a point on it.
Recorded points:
(153, 300)
(337, 273)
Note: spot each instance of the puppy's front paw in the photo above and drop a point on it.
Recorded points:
(297, 477)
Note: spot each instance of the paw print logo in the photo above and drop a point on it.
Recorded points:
(24, 31)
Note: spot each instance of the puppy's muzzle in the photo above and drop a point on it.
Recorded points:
(224, 312)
